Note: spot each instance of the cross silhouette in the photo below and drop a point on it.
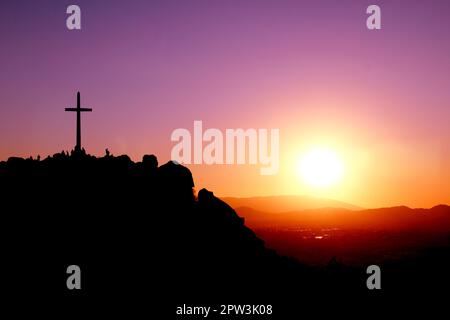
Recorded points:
(78, 110)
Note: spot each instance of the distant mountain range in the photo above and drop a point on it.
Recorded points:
(287, 203)
(397, 218)
(355, 237)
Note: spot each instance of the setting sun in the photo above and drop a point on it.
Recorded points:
(321, 168)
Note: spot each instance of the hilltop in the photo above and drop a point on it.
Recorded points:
(135, 229)
(139, 230)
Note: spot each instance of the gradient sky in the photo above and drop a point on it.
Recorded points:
(381, 99)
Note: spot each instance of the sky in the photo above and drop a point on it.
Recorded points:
(379, 98)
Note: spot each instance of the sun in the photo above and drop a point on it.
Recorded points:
(321, 168)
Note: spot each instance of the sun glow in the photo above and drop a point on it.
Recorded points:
(321, 168)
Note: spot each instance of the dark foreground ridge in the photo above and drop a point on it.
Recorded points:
(142, 236)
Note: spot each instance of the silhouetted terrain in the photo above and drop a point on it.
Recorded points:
(136, 230)
(436, 219)
(145, 240)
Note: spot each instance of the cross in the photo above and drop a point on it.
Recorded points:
(78, 110)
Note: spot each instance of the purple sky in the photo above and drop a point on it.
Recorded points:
(310, 68)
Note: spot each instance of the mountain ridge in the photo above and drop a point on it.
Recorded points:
(283, 203)
(399, 217)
